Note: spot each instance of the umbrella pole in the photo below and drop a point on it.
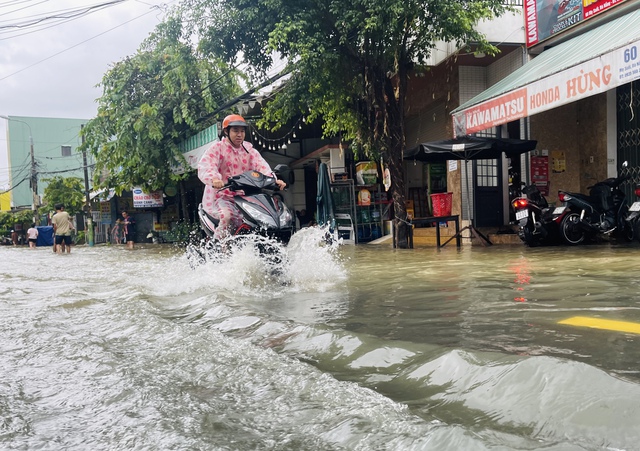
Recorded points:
(475, 233)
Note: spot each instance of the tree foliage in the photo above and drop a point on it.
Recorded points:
(151, 102)
(64, 190)
(9, 220)
(350, 59)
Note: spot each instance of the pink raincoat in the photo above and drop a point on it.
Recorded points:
(220, 162)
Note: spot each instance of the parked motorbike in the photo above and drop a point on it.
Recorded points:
(536, 225)
(601, 213)
(633, 218)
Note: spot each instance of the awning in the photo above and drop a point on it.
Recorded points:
(103, 195)
(589, 64)
(469, 148)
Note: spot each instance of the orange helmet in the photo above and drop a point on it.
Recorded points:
(234, 120)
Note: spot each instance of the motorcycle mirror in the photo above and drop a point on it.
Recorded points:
(284, 172)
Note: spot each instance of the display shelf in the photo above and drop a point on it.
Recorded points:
(366, 205)
(369, 212)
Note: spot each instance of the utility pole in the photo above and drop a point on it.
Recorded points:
(87, 205)
(34, 183)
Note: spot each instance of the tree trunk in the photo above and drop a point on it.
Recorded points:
(385, 101)
(395, 90)
(401, 225)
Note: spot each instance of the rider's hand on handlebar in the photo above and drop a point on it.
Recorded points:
(217, 184)
(281, 184)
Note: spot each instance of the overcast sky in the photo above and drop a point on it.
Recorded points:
(51, 69)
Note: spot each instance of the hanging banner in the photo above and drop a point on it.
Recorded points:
(546, 18)
(147, 200)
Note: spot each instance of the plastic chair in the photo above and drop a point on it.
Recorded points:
(345, 228)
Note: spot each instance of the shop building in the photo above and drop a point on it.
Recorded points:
(456, 76)
(576, 95)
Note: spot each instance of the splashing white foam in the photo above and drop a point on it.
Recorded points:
(253, 263)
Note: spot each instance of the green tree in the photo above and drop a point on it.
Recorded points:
(64, 190)
(350, 60)
(9, 220)
(150, 103)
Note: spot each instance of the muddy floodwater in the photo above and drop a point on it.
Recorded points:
(327, 348)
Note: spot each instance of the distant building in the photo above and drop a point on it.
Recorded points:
(5, 201)
(55, 142)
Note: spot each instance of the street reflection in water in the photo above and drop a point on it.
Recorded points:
(351, 347)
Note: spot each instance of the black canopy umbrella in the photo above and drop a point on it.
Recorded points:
(324, 199)
(469, 148)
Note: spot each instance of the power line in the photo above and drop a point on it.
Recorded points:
(16, 185)
(56, 15)
(17, 2)
(62, 171)
(76, 45)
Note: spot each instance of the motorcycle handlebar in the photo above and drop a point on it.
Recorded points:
(231, 185)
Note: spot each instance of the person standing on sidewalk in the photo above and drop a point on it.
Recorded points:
(62, 227)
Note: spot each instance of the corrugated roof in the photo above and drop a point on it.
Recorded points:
(589, 45)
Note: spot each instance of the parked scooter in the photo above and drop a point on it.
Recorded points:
(536, 226)
(602, 213)
(633, 218)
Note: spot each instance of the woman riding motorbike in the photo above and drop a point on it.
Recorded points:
(230, 156)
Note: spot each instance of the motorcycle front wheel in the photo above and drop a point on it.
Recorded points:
(627, 232)
(635, 225)
(570, 229)
(526, 235)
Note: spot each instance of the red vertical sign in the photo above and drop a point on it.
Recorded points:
(540, 173)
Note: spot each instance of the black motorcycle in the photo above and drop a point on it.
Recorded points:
(267, 222)
(263, 210)
(536, 225)
(633, 218)
(602, 213)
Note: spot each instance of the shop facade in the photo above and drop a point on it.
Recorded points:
(577, 95)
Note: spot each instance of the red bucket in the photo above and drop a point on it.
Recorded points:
(441, 203)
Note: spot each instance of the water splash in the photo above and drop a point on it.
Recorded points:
(251, 262)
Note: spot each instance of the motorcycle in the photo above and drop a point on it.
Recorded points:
(264, 215)
(263, 210)
(536, 225)
(601, 213)
(633, 218)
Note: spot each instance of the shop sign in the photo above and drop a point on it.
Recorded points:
(147, 200)
(546, 18)
(105, 213)
(592, 77)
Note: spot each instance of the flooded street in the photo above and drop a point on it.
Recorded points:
(355, 348)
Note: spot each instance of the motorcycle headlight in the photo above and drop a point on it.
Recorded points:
(286, 218)
(264, 219)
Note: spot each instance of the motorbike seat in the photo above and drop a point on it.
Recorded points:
(586, 201)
